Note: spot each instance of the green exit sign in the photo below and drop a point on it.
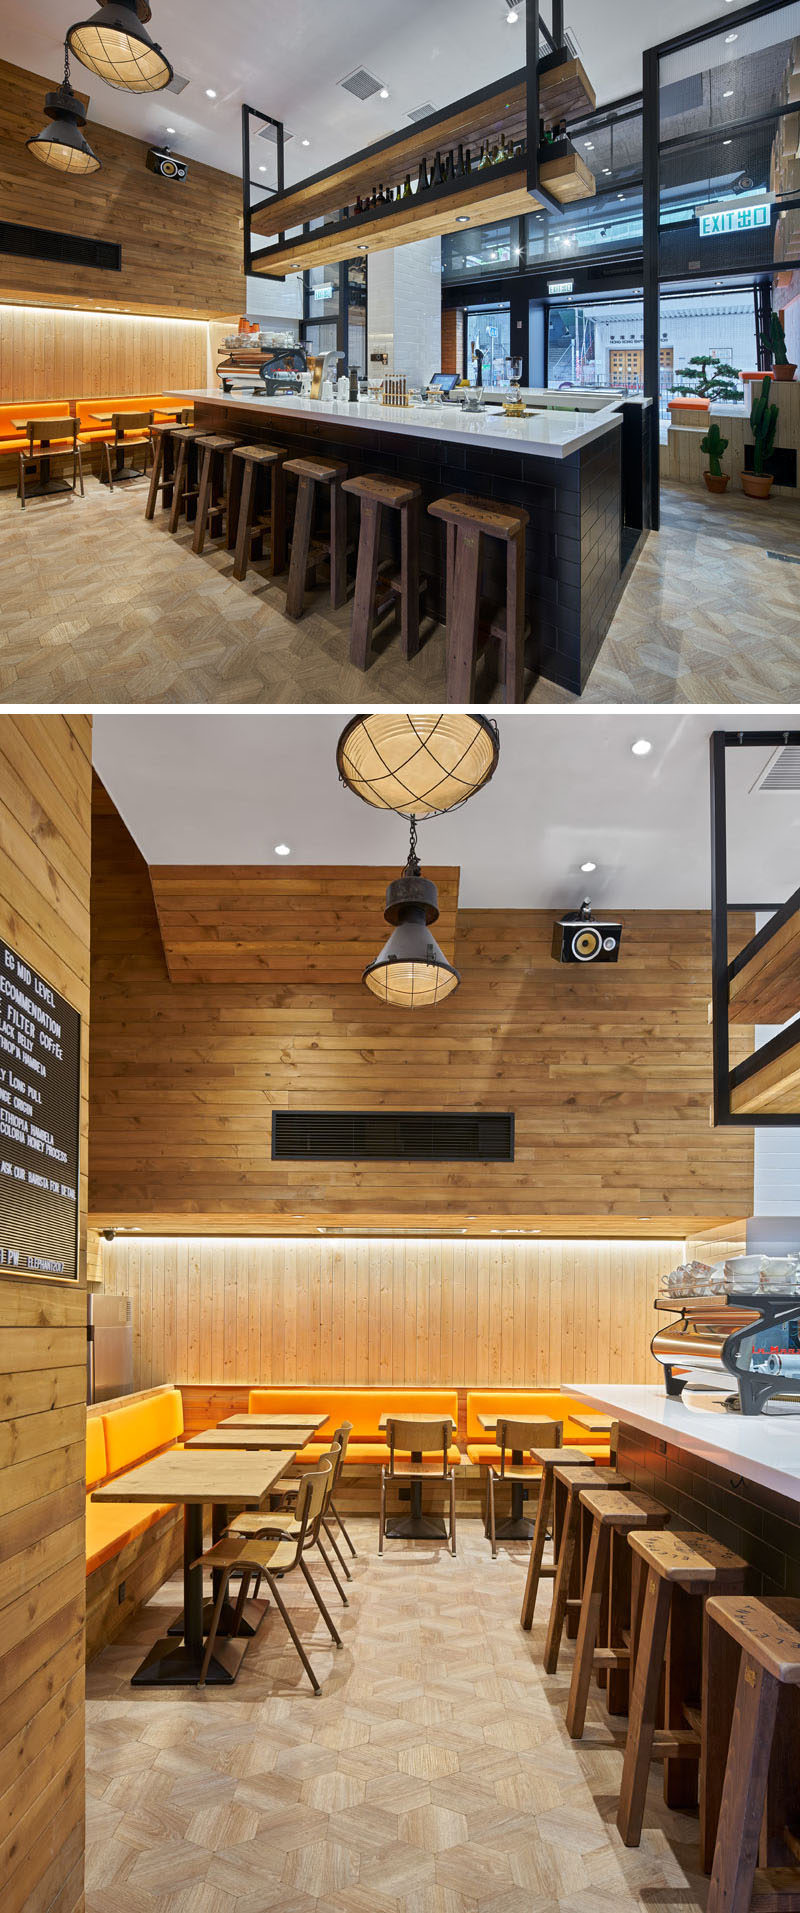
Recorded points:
(716, 222)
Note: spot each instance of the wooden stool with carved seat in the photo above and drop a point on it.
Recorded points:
(606, 1598)
(185, 485)
(470, 521)
(755, 1708)
(162, 470)
(314, 476)
(257, 503)
(538, 1568)
(377, 588)
(678, 1573)
(566, 1587)
(216, 458)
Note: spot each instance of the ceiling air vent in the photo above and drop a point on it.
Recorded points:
(422, 112)
(176, 84)
(362, 83)
(782, 772)
(270, 134)
(382, 1136)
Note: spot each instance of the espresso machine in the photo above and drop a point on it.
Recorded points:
(733, 1352)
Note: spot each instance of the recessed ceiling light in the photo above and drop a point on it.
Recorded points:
(170, 129)
(384, 93)
(589, 144)
(588, 868)
(262, 169)
(210, 93)
(606, 169)
(462, 219)
(620, 195)
(730, 37)
(642, 747)
(305, 142)
(362, 249)
(727, 142)
(512, 17)
(283, 850)
(729, 94)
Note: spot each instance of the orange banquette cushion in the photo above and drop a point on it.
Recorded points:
(115, 1442)
(689, 404)
(13, 441)
(92, 429)
(527, 1405)
(361, 1406)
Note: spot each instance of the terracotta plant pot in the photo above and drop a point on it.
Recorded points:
(756, 484)
(715, 484)
(784, 373)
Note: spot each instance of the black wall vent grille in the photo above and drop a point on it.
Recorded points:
(62, 248)
(382, 1136)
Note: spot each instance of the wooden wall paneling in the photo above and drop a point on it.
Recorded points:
(465, 1314)
(181, 243)
(48, 354)
(45, 799)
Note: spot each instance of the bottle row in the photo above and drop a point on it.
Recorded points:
(460, 164)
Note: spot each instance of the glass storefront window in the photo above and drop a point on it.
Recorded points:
(609, 223)
(488, 330)
(486, 249)
(596, 345)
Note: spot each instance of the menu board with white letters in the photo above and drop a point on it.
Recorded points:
(40, 1054)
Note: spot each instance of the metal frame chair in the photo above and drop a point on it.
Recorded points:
(418, 1438)
(275, 1521)
(516, 1437)
(130, 429)
(54, 438)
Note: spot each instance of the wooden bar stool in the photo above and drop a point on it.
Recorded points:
(216, 456)
(759, 1795)
(680, 1572)
(606, 1610)
(311, 474)
(566, 1594)
(469, 522)
(257, 503)
(538, 1568)
(162, 470)
(185, 488)
(375, 587)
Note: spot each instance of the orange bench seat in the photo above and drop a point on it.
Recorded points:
(115, 1443)
(526, 1405)
(111, 1525)
(92, 432)
(363, 1407)
(14, 441)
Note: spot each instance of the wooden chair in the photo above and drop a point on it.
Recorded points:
(257, 504)
(470, 521)
(342, 1435)
(426, 1440)
(757, 1712)
(566, 1587)
(677, 1573)
(515, 1439)
(316, 475)
(376, 588)
(275, 1521)
(130, 430)
(538, 1568)
(606, 1596)
(48, 439)
(273, 1558)
(216, 457)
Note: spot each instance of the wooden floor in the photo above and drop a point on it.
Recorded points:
(96, 606)
(433, 1774)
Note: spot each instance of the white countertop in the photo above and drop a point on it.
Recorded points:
(761, 1448)
(548, 434)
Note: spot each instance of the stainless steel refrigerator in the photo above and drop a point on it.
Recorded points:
(109, 1347)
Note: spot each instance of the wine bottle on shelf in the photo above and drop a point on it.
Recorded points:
(407, 193)
(467, 161)
(423, 181)
(450, 166)
(485, 158)
(501, 152)
(437, 176)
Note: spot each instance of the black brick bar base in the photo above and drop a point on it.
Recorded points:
(581, 544)
(762, 1526)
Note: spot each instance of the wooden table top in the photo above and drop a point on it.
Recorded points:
(489, 1422)
(240, 1439)
(180, 1475)
(120, 411)
(292, 1422)
(594, 1424)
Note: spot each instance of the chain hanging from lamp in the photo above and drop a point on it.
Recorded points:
(114, 43)
(411, 971)
(415, 764)
(61, 144)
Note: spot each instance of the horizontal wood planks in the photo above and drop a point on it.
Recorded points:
(181, 243)
(254, 925)
(230, 1312)
(608, 1072)
(45, 808)
(49, 354)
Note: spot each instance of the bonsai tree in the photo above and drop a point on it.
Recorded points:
(763, 425)
(714, 445)
(708, 377)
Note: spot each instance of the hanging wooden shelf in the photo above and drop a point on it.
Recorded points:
(768, 1084)
(764, 984)
(485, 117)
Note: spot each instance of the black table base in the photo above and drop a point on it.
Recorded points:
(416, 1526)
(251, 1618)
(174, 1664)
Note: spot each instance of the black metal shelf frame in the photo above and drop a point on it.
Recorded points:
(722, 970)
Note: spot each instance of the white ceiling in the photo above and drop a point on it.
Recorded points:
(219, 788)
(287, 60)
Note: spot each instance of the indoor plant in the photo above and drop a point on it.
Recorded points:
(714, 445)
(763, 425)
(782, 367)
(706, 376)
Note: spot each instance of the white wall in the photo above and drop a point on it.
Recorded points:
(777, 1151)
(404, 309)
(276, 301)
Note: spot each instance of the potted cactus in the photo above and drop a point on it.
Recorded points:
(763, 425)
(782, 367)
(714, 445)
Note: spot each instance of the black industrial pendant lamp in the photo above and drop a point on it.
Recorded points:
(417, 765)
(61, 144)
(115, 44)
(411, 971)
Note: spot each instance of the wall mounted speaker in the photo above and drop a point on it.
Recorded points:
(579, 937)
(165, 164)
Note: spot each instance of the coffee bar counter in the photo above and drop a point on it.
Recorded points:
(580, 470)
(734, 1476)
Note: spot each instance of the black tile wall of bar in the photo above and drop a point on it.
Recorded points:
(761, 1526)
(575, 569)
